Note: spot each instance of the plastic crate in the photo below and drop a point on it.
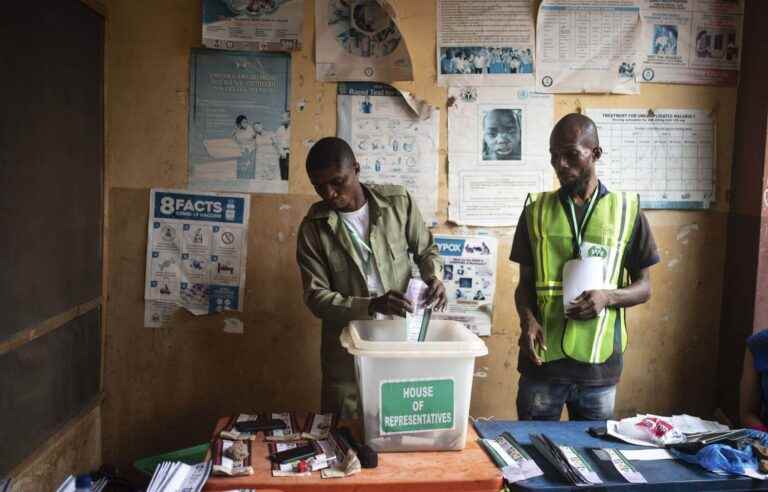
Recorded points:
(415, 395)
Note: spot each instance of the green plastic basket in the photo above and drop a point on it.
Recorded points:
(190, 456)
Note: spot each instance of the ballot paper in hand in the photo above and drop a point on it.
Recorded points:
(417, 320)
(581, 275)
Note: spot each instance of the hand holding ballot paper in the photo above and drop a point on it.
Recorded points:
(583, 283)
(418, 321)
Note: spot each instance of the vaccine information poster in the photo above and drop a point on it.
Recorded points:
(196, 253)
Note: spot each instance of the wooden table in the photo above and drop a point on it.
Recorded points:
(469, 470)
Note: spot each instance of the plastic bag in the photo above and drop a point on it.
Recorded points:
(720, 458)
(660, 431)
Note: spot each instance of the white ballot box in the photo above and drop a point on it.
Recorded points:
(415, 395)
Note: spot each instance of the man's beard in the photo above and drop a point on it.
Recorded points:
(579, 185)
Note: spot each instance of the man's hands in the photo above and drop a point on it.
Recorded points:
(588, 305)
(392, 302)
(532, 341)
(584, 307)
(436, 295)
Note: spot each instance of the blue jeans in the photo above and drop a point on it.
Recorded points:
(539, 400)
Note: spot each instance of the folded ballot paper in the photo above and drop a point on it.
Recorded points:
(567, 460)
(417, 321)
(508, 455)
(174, 476)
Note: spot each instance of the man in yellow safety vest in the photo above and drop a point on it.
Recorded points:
(571, 354)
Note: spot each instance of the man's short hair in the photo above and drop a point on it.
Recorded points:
(240, 119)
(329, 151)
(582, 124)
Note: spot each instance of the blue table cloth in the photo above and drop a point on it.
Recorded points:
(667, 475)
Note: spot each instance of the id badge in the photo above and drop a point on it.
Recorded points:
(594, 250)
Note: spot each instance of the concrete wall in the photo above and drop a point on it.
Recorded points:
(165, 387)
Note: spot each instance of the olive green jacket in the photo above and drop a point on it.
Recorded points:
(335, 288)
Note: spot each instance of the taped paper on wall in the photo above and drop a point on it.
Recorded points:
(588, 46)
(469, 277)
(392, 145)
(498, 152)
(667, 155)
(239, 121)
(253, 25)
(196, 253)
(485, 42)
(359, 40)
(692, 41)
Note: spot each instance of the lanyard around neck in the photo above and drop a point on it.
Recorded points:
(578, 230)
(358, 240)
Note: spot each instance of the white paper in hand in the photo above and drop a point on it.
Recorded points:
(582, 275)
(417, 294)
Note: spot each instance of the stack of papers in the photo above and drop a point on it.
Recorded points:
(508, 455)
(174, 476)
(621, 464)
(567, 460)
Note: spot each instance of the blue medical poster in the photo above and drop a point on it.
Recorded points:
(239, 121)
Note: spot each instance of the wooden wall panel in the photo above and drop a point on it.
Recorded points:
(161, 399)
(76, 449)
(166, 387)
(46, 383)
(51, 171)
(51, 158)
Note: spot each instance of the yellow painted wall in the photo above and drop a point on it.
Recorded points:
(165, 387)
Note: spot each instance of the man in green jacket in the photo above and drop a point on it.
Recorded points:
(353, 254)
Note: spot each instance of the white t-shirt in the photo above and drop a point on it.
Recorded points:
(360, 221)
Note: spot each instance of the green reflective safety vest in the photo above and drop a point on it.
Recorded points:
(606, 235)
